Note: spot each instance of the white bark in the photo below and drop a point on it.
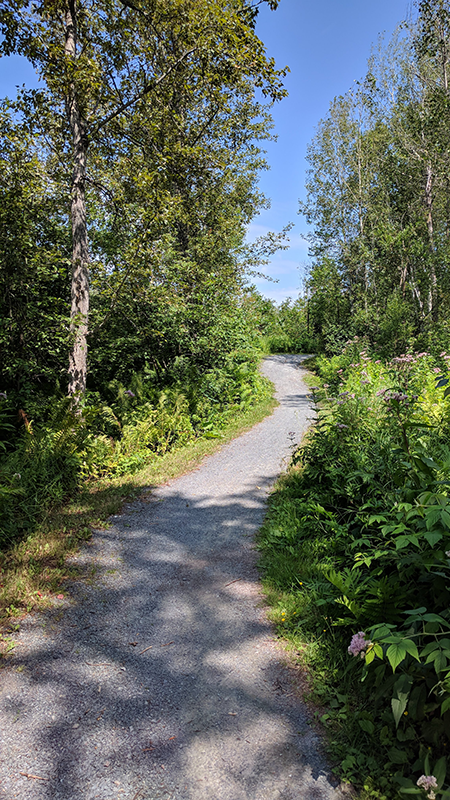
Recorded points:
(80, 250)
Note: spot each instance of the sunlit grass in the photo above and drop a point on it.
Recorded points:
(34, 571)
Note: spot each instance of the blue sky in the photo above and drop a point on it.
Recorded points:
(326, 44)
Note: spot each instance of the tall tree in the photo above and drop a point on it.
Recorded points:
(106, 61)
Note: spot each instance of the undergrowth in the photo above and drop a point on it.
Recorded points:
(115, 434)
(356, 557)
(51, 505)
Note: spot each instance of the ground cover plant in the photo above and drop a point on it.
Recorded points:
(34, 565)
(44, 464)
(356, 557)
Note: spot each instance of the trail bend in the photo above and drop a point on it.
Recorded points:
(162, 678)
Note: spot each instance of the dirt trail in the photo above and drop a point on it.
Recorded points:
(162, 678)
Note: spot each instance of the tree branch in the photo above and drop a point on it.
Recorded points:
(148, 88)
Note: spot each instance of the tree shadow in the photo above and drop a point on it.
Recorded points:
(159, 676)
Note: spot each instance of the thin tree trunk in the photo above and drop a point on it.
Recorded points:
(80, 251)
(432, 308)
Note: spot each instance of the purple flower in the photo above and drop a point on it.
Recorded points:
(428, 783)
(358, 644)
(341, 426)
(130, 393)
(3, 394)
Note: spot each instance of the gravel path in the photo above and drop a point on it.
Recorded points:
(161, 677)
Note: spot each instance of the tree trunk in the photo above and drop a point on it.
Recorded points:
(80, 251)
(432, 306)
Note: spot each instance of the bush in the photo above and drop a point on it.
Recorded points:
(141, 423)
(357, 547)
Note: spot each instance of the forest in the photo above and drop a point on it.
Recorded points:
(130, 329)
(127, 184)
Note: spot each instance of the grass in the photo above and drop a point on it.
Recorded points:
(34, 570)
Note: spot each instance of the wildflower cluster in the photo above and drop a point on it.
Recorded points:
(358, 644)
(428, 783)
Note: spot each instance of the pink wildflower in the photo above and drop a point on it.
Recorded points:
(428, 783)
(358, 644)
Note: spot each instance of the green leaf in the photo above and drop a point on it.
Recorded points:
(429, 648)
(402, 688)
(440, 662)
(432, 537)
(366, 725)
(420, 610)
(440, 771)
(445, 705)
(378, 650)
(401, 542)
(434, 618)
(396, 654)
(397, 756)
(411, 648)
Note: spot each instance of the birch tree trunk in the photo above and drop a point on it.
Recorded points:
(80, 251)
(432, 307)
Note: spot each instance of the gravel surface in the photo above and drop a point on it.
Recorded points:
(161, 677)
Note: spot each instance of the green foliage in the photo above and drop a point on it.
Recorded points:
(284, 328)
(377, 196)
(173, 99)
(50, 460)
(358, 540)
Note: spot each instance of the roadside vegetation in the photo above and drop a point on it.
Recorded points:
(356, 547)
(33, 560)
(129, 337)
(356, 559)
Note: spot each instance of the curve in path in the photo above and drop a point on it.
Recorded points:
(162, 678)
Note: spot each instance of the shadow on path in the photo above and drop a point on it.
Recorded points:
(160, 677)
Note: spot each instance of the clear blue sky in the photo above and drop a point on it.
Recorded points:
(326, 44)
